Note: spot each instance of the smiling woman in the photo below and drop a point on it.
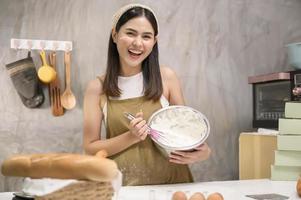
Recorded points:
(134, 82)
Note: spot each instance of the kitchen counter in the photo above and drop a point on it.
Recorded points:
(232, 190)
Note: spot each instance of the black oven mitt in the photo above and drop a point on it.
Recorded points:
(24, 77)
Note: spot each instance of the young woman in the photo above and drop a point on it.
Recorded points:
(134, 82)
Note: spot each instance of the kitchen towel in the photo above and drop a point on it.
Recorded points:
(25, 80)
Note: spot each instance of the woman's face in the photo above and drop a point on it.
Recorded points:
(135, 41)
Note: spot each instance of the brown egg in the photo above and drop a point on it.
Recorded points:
(299, 187)
(179, 195)
(197, 196)
(215, 196)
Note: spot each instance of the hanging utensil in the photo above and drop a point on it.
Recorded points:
(46, 73)
(68, 99)
(55, 90)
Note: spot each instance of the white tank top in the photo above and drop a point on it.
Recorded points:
(131, 87)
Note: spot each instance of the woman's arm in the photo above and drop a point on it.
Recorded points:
(174, 94)
(171, 87)
(92, 125)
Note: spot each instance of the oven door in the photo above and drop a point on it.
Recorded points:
(269, 102)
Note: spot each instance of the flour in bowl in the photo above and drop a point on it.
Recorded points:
(182, 126)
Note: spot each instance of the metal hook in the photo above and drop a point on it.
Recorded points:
(67, 47)
(42, 45)
(55, 45)
(16, 44)
(29, 44)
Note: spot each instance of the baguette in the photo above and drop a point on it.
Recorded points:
(299, 186)
(61, 166)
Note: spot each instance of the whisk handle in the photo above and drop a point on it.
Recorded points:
(131, 117)
(128, 115)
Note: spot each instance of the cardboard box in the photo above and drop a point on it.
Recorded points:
(285, 173)
(289, 142)
(289, 126)
(288, 158)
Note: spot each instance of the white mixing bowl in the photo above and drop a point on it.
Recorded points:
(184, 128)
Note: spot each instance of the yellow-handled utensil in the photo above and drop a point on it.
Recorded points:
(46, 73)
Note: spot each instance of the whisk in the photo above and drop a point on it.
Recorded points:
(155, 134)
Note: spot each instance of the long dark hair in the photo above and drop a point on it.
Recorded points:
(152, 84)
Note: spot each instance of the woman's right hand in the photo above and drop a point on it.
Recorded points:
(138, 127)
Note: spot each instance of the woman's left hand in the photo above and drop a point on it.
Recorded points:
(200, 153)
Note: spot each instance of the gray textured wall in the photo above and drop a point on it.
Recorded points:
(213, 45)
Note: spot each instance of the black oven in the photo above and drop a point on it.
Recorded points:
(270, 92)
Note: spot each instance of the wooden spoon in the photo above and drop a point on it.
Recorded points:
(46, 73)
(68, 99)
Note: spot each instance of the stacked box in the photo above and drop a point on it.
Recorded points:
(287, 165)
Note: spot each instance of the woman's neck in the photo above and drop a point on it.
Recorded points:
(130, 71)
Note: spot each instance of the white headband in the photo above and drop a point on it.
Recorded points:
(125, 8)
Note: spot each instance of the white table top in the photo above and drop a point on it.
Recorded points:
(231, 190)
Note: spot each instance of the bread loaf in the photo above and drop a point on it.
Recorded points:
(61, 166)
(299, 187)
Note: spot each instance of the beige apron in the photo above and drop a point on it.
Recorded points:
(141, 163)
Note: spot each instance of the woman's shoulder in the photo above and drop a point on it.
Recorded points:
(96, 85)
(167, 73)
